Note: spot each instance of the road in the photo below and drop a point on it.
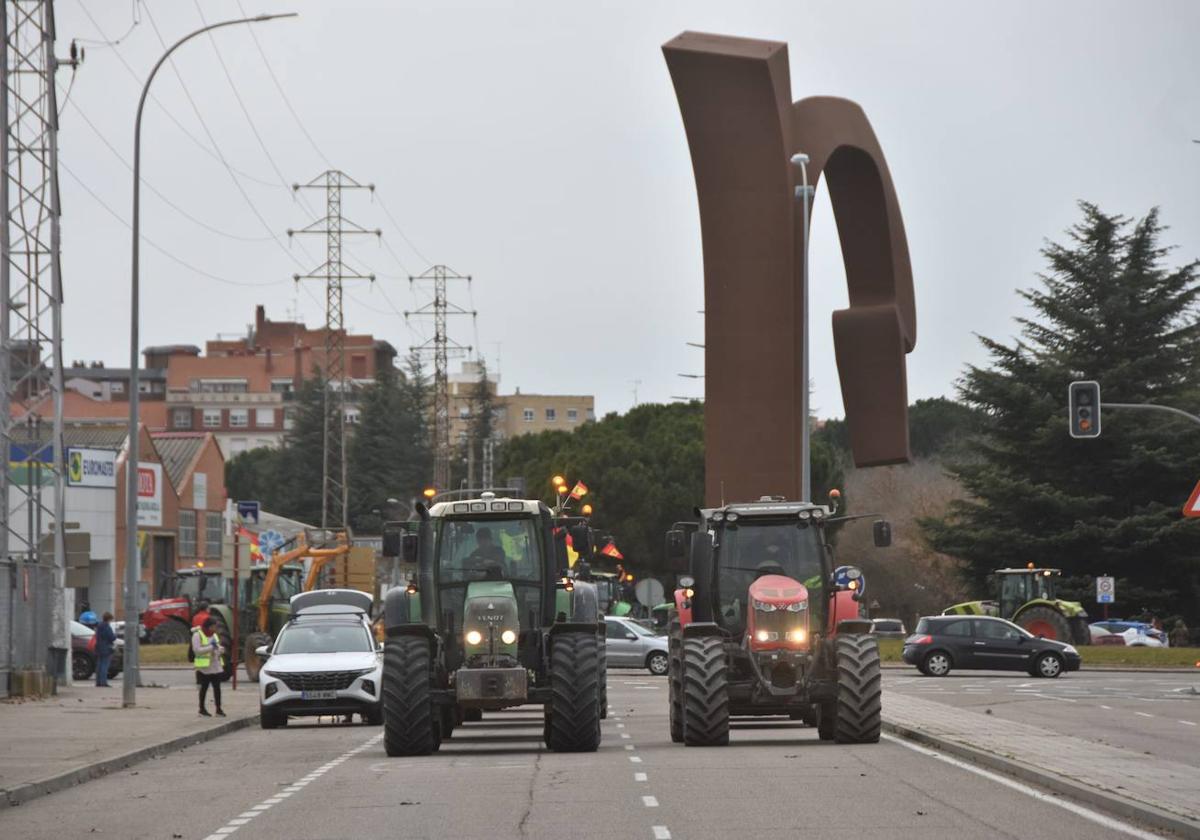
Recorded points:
(1156, 714)
(494, 780)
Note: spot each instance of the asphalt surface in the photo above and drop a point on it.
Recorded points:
(1154, 714)
(495, 780)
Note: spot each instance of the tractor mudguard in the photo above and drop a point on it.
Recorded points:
(585, 603)
(843, 606)
(401, 607)
(701, 629)
(973, 608)
(560, 627)
(854, 625)
(423, 630)
(1069, 609)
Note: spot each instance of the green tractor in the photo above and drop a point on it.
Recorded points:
(1027, 598)
(264, 596)
(491, 622)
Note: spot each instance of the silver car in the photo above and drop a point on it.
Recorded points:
(630, 645)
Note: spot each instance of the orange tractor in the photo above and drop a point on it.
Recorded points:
(765, 624)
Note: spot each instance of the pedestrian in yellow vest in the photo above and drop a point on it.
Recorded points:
(207, 650)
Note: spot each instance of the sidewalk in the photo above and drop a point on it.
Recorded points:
(1120, 780)
(83, 732)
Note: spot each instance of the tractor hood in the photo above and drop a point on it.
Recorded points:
(490, 610)
(778, 591)
(291, 663)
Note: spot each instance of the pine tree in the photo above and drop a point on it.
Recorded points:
(299, 475)
(1108, 309)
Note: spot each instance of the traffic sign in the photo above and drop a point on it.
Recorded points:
(1106, 590)
(1192, 508)
(248, 512)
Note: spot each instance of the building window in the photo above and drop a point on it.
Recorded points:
(117, 387)
(239, 418)
(219, 386)
(264, 418)
(528, 415)
(237, 446)
(281, 386)
(352, 416)
(572, 415)
(212, 535)
(181, 418)
(551, 415)
(187, 533)
(212, 418)
(464, 413)
(591, 415)
(289, 418)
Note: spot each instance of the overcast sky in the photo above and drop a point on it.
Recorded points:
(538, 147)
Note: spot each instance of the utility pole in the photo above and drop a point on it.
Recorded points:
(31, 321)
(440, 346)
(333, 272)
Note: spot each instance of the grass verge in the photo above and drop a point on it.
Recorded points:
(163, 654)
(1097, 655)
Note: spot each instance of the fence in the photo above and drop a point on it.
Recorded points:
(26, 618)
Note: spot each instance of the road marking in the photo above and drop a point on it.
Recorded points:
(629, 747)
(1187, 723)
(649, 801)
(620, 725)
(1143, 714)
(639, 777)
(1108, 708)
(1079, 810)
(661, 833)
(626, 735)
(635, 759)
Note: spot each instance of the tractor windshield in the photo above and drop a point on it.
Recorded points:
(194, 587)
(747, 552)
(489, 549)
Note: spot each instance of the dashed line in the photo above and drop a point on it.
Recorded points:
(640, 777)
(649, 801)
(629, 746)
(626, 735)
(1106, 708)
(1143, 714)
(661, 833)
(1187, 723)
(635, 759)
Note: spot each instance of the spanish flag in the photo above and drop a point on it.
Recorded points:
(580, 490)
(256, 555)
(612, 551)
(572, 554)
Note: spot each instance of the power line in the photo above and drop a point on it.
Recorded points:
(159, 193)
(175, 259)
(400, 231)
(188, 133)
(107, 44)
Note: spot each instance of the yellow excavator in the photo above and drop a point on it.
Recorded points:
(267, 597)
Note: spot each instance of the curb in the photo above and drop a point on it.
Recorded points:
(21, 794)
(1113, 803)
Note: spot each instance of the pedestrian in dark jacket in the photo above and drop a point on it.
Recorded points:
(106, 638)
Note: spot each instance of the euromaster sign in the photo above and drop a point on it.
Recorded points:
(91, 467)
(150, 494)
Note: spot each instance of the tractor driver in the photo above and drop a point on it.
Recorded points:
(488, 557)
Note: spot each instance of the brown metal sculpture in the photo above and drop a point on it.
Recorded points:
(743, 129)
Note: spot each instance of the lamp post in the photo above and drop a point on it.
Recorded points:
(805, 193)
(132, 556)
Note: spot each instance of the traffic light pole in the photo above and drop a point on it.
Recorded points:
(1179, 412)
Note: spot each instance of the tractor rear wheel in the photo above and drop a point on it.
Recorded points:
(676, 713)
(602, 647)
(409, 724)
(251, 659)
(574, 724)
(705, 693)
(172, 631)
(1047, 623)
(472, 715)
(860, 684)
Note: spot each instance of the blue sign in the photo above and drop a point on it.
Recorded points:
(269, 542)
(248, 512)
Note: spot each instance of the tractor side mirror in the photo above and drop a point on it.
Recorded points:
(581, 540)
(883, 533)
(409, 547)
(392, 543)
(676, 551)
(263, 651)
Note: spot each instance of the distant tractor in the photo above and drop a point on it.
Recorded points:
(490, 622)
(168, 619)
(1027, 598)
(765, 625)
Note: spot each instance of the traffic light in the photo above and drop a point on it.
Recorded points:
(1084, 398)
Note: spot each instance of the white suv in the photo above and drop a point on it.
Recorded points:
(325, 661)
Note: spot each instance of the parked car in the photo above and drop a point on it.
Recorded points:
(83, 653)
(945, 642)
(324, 662)
(1135, 633)
(888, 628)
(630, 645)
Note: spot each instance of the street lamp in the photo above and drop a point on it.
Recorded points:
(805, 193)
(132, 556)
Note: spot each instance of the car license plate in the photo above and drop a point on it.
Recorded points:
(318, 695)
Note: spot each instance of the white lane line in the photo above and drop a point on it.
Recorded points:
(1106, 708)
(620, 725)
(639, 777)
(661, 833)
(1187, 723)
(635, 759)
(649, 801)
(1079, 810)
(626, 736)
(1143, 714)
(238, 822)
(629, 746)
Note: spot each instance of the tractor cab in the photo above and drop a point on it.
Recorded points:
(1019, 586)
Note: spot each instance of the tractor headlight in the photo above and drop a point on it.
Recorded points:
(764, 606)
(796, 635)
(474, 637)
(509, 637)
(762, 636)
(799, 606)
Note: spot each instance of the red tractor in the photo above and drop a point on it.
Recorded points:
(168, 619)
(765, 625)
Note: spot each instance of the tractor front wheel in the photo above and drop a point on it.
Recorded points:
(409, 724)
(705, 693)
(574, 720)
(1047, 623)
(860, 684)
(172, 631)
(827, 721)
